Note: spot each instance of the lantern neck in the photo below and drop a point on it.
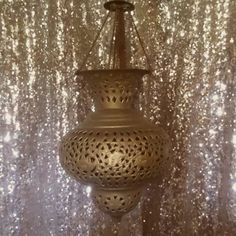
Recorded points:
(114, 89)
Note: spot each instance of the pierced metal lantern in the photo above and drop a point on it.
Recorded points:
(115, 150)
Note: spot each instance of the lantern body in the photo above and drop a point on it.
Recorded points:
(115, 150)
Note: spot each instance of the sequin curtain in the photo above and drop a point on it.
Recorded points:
(192, 48)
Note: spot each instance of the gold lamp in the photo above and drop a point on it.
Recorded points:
(115, 150)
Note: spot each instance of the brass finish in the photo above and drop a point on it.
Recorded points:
(115, 149)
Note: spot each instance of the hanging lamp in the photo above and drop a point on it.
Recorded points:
(115, 150)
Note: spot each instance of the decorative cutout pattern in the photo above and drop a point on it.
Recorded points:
(116, 203)
(119, 90)
(113, 158)
(115, 150)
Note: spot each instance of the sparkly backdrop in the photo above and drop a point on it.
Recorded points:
(192, 47)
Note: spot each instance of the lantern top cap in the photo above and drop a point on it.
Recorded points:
(119, 5)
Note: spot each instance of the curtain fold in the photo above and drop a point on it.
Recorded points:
(192, 94)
